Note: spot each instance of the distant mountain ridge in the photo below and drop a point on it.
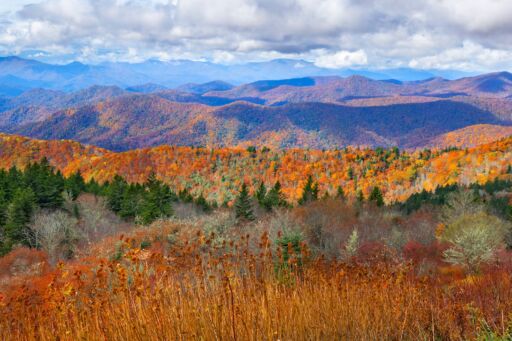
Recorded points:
(18, 74)
(307, 112)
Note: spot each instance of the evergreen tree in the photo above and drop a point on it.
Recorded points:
(131, 202)
(94, 187)
(274, 197)
(45, 183)
(157, 200)
(185, 196)
(340, 193)
(309, 192)
(14, 180)
(18, 217)
(203, 204)
(261, 193)
(115, 193)
(243, 206)
(376, 196)
(75, 185)
(360, 196)
(3, 207)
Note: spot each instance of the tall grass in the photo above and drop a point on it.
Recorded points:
(191, 288)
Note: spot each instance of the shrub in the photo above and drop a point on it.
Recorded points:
(474, 239)
(289, 250)
(352, 244)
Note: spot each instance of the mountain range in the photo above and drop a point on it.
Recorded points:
(18, 75)
(306, 112)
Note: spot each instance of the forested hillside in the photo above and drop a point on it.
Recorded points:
(218, 173)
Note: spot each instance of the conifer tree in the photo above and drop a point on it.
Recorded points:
(243, 206)
(261, 193)
(185, 196)
(360, 196)
(157, 200)
(309, 192)
(94, 187)
(3, 207)
(18, 217)
(274, 197)
(340, 193)
(45, 183)
(203, 204)
(115, 193)
(75, 184)
(376, 197)
(131, 202)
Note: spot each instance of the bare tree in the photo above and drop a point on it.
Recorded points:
(460, 203)
(56, 233)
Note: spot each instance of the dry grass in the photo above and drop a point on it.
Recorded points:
(184, 287)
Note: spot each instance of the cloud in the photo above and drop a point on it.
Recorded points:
(342, 59)
(330, 33)
(468, 57)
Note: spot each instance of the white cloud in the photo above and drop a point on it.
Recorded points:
(468, 57)
(342, 59)
(477, 16)
(346, 32)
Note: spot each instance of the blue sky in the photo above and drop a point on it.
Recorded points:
(467, 35)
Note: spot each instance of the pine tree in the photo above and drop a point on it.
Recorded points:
(360, 196)
(340, 194)
(45, 183)
(243, 206)
(3, 207)
(185, 196)
(261, 193)
(94, 187)
(274, 197)
(149, 211)
(18, 217)
(115, 193)
(376, 196)
(131, 202)
(309, 192)
(203, 204)
(157, 200)
(75, 185)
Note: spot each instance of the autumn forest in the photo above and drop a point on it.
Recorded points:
(255, 243)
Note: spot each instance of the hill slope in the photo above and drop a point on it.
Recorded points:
(219, 173)
(138, 121)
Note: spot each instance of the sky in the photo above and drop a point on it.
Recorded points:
(468, 35)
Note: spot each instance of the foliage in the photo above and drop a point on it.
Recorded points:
(309, 192)
(19, 212)
(243, 205)
(274, 197)
(376, 197)
(352, 244)
(218, 173)
(474, 239)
